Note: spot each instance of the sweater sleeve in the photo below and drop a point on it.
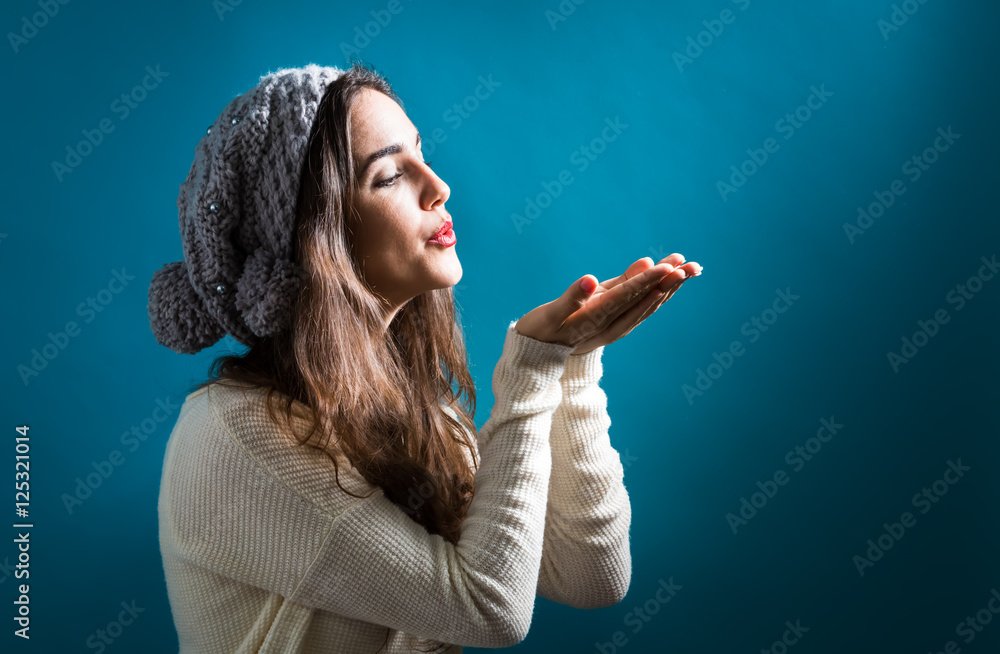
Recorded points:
(366, 559)
(586, 559)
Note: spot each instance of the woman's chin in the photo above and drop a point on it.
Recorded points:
(445, 272)
(452, 274)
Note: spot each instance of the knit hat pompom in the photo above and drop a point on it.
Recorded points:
(266, 292)
(174, 304)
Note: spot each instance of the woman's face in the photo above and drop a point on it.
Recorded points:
(401, 205)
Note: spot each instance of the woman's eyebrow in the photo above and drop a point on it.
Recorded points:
(384, 152)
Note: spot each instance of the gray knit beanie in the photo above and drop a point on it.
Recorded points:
(237, 212)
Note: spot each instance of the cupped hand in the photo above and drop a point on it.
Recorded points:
(590, 314)
(681, 271)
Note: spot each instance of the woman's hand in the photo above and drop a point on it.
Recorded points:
(682, 271)
(590, 314)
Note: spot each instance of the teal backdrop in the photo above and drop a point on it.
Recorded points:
(809, 430)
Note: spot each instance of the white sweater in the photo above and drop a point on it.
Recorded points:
(263, 552)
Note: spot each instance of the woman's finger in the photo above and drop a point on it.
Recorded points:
(628, 321)
(691, 270)
(670, 292)
(659, 302)
(687, 271)
(639, 266)
(670, 280)
(595, 316)
(674, 260)
(622, 297)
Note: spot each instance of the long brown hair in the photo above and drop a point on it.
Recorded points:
(374, 395)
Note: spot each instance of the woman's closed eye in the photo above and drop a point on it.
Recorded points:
(391, 181)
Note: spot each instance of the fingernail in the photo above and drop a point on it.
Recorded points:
(683, 273)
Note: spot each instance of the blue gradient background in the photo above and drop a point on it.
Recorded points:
(652, 192)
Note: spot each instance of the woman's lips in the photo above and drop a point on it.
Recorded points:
(444, 236)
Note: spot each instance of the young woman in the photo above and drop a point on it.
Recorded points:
(327, 491)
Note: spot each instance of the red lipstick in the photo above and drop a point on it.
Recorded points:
(444, 236)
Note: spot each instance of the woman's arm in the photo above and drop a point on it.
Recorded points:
(237, 502)
(586, 560)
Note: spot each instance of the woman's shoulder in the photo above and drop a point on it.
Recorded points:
(241, 412)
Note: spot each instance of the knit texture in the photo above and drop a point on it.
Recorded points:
(263, 552)
(237, 218)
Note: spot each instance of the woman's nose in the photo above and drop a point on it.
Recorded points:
(436, 190)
